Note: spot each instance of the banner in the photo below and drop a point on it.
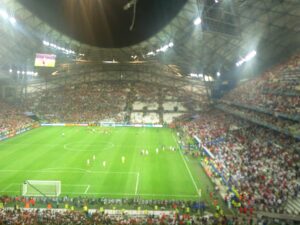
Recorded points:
(14, 133)
(112, 124)
(103, 124)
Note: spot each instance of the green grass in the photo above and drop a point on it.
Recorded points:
(45, 154)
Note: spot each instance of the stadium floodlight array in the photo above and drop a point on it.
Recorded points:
(35, 188)
(249, 56)
(7, 17)
(161, 49)
(197, 21)
(150, 53)
(57, 47)
(165, 47)
(28, 73)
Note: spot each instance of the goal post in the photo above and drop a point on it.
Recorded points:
(48, 188)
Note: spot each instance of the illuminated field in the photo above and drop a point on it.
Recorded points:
(61, 153)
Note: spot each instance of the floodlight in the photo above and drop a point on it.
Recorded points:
(164, 48)
(12, 20)
(150, 53)
(46, 43)
(4, 14)
(246, 58)
(197, 21)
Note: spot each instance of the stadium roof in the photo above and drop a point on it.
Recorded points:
(227, 32)
(105, 23)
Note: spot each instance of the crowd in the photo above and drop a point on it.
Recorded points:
(78, 202)
(261, 164)
(79, 103)
(283, 125)
(259, 136)
(12, 119)
(99, 101)
(277, 90)
(66, 217)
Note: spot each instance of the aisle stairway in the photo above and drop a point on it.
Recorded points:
(293, 204)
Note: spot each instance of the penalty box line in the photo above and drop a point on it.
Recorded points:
(87, 188)
(137, 183)
(67, 171)
(7, 187)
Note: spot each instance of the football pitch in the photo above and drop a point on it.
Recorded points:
(62, 153)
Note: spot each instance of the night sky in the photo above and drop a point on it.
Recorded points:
(104, 23)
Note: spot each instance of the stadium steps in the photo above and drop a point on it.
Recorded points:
(293, 206)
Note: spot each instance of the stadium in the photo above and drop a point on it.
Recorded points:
(150, 112)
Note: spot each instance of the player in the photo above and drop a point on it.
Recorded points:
(123, 159)
(63, 134)
(143, 152)
(156, 150)
(200, 192)
(147, 152)
(104, 163)
(88, 162)
(94, 157)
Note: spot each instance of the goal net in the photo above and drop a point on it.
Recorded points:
(41, 188)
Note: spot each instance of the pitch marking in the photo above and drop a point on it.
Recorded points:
(137, 183)
(61, 170)
(86, 190)
(106, 193)
(7, 187)
(188, 169)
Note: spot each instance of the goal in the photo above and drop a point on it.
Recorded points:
(41, 188)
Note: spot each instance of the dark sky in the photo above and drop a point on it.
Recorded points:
(104, 23)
